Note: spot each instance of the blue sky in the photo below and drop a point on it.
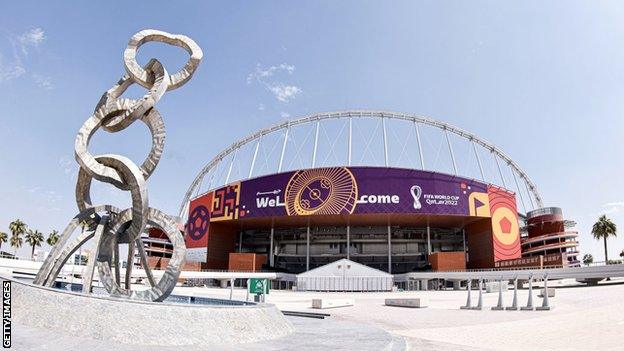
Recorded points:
(543, 81)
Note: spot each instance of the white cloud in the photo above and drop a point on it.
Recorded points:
(261, 73)
(69, 167)
(9, 71)
(32, 37)
(264, 76)
(283, 92)
(51, 195)
(42, 196)
(610, 208)
(34, 189)
(43, 82)
(17, 66)
(48, 209)
(616, 204)
(284, 114)
(261, 107)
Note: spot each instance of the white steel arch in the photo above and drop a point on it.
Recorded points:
(284, 129)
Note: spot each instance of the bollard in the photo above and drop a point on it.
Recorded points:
(544, 306)
(479, 305)
(514, 303)
(468, 301)
(529, 306)
(499, 306)
(231, 288)
(247, 296)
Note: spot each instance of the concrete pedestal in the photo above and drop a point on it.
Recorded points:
(144, 323)
(332, 303)
(418, 302)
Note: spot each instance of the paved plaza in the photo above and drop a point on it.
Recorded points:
(311, 334)
(582, 318)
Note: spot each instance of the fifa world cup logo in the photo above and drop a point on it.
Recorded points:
(416, 193)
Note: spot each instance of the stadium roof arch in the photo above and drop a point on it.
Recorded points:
(364, 138)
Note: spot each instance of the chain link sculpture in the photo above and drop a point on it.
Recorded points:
(106, 225)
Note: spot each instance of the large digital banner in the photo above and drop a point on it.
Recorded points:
(505, 227)
(196, 237)
(347, 190)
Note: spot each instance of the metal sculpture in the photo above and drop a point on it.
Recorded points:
(106, 225)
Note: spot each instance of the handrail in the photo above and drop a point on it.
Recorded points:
(238, 271)
(544, 211)
(561, 245)
(567, 233)
(596, 272)
(494, 269)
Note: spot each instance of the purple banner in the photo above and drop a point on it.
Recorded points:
(347, 190)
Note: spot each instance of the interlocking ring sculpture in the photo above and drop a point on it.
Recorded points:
(106, 225)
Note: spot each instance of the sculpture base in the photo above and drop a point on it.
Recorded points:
(144, 323)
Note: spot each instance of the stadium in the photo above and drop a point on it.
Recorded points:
(395, 192)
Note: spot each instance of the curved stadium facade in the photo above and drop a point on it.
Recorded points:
(395, 192)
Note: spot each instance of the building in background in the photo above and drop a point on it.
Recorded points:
(549, 234)
(158, 250)
(394, 192)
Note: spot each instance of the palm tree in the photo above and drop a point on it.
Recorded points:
(34, 238)
(603, 229)
(53, 238)
(4, 237)
(16, 242)
(588, 259)
(17, 227)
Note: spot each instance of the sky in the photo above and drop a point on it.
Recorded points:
(541, 80)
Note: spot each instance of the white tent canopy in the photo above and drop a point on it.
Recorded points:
(344, 275)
